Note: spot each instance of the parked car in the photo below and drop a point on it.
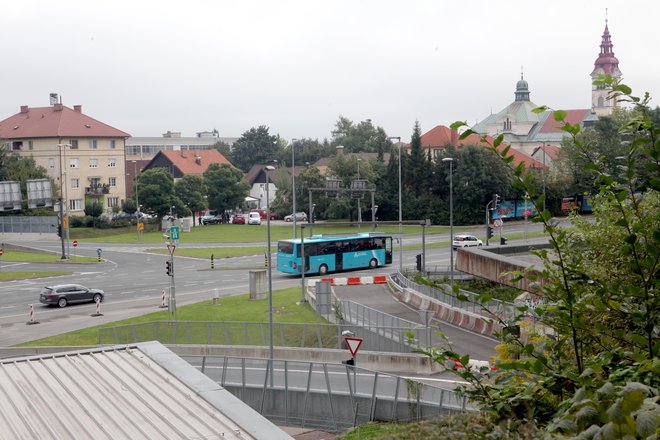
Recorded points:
(238, 219)
(254, 218)
(211, 219)
(465, 241)
(262, 214)
(63, 294)
(300, 217)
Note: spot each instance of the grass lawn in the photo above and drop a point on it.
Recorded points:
(12, 275)
(41, 257)
(219, 252)
(236, 233)
(237, 308)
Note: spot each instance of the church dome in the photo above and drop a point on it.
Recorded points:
(522, 85)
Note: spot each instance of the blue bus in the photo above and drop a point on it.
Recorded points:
(334, 253)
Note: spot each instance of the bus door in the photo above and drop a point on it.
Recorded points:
(339, 261)
(388, 249)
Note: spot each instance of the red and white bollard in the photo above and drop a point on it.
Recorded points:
(98, 308)
(31, 314)
(163, 304)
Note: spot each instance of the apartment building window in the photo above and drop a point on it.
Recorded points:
(75, 204)
(93, 163)
(75, 183)
(73, 143)
(17, 145)
(93, 144)
(30, 146)
(112, 181)
(73, 163)
(112, 144)
(51, 163)
(113, 201)
(112, 162)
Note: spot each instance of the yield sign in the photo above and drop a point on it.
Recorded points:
(353, 345)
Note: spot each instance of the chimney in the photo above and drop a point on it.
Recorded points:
(24, 109)
(78, 108)
(58, 107)
(183, 153)
(340, 149)
(454, 138)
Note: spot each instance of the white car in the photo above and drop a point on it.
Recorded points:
(254, 218)
(465, 241)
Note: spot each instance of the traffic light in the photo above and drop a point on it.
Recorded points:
(168, 268)
(489, 232)
(419, 262)
(265, 259)
(59, 230)
(503, 240)
(496, 200)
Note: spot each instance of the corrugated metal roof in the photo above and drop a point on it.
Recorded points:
(131, 392)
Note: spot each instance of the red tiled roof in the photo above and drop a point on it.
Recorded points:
(186, 160)
(572, 117)
(55, 121)
(441, 136)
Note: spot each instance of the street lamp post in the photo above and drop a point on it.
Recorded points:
(359, 206)
(398, 138)
(270, 275)
(64, 208)
(293, 183)
(451, 220)
(137, 202)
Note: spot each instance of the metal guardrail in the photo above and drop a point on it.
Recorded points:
(502, 309)
(325, 396)
(364, 320)
(301, 335)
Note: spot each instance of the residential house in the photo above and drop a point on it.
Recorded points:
(84, 156)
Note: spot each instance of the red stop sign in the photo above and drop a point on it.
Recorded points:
(75, 243)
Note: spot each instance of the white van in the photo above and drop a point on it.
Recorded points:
(254, 218)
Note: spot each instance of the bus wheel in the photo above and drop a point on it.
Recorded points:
(373, 263)
(323, 269)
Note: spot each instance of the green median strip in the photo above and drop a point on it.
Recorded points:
(41, 257)
(219, 252)
(12, 275)
(238, 308)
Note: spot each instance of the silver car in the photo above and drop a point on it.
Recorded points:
(300, 217)
(64, 294)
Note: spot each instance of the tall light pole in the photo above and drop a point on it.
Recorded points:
(544, 174)
(359, 207)
(137, 200)
(451, 221)
(398, 138)
(64, 208)
(293, 183)
(268, 168)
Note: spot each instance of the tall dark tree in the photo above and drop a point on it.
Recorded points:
(157, 193)
(192, 192)
(226, 188)
(361, 137)
(254, 146)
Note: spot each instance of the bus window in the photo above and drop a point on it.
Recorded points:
(284, 247)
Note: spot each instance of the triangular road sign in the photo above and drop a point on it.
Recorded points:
(353, 345)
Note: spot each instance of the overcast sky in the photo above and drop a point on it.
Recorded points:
(146, 67)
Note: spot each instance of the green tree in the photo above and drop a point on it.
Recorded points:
(157, 193)
(226, 188)
(192, 193)
(225, 149)
(361, 137)
(254, 146)
(589, 367)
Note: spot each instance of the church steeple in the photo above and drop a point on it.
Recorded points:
(522, 89)
(605, 64)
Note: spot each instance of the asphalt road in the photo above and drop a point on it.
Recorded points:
(134, 281)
